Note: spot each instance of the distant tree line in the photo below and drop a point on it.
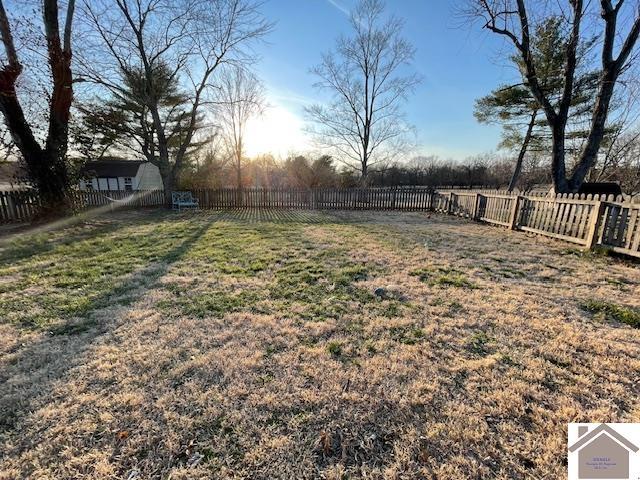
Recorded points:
(209, 170)
(170, 81)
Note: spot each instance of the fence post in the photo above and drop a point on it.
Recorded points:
(11, 203)
(594, 224)
(450, 203)
(476, 207)
(513, 220)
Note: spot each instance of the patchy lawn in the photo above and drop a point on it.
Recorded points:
(306, 345)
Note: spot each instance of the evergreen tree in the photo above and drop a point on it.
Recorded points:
(514, 107)
(124, 122)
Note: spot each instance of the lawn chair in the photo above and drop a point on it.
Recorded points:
(182, 200)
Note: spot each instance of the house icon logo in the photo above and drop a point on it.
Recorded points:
(604, 451)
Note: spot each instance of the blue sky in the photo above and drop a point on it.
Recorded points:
(458, 62)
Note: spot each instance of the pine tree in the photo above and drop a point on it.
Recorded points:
(124, 122)
(514, 107)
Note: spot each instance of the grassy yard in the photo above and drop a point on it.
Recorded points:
(252, 345)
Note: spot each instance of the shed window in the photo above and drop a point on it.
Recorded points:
(128, 184)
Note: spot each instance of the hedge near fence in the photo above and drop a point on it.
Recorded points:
(585, 220)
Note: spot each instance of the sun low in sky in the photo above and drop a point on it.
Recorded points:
(278, 131)
(458, 64)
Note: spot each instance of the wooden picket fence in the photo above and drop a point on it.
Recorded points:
(620, 227)
(587, 220)
(584, 220)
(405, 199)
(118, 199)
(18, 206)
(23, 205)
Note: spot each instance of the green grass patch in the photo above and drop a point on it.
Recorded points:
(423, 274)
(85, 269)
(406, 335)
(459, 281)
(211, 303)
(478, 344)
(335, 349)
(443, 276)
(223, 265)
(612, 312)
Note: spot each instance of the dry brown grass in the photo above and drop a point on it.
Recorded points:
(240, 345)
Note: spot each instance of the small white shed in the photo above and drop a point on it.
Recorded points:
(112, 174)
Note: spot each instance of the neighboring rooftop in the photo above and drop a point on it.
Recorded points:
(12, 173)
(112, 167)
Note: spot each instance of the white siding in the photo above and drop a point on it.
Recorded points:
(148, 178)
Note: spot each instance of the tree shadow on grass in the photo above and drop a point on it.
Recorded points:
(27, 372)
(276, 215)
(28, 243)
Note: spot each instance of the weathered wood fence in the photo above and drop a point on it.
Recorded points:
(585, 220)
(23, 206)
(18, 206)
(407, 199)
(118, 199)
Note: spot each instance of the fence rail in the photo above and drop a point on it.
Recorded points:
(584, 220)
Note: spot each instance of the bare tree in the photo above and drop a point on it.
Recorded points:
(239, 99)
(193, 38)
(512, 19)
(46, 164)
(363, 78)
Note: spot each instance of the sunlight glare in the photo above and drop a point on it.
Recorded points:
(277, 131)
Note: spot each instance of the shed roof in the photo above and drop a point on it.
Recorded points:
(112, 167)
(12, 172)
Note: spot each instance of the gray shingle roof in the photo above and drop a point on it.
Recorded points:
(112, 167)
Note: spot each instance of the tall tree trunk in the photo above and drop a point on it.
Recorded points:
(589, 155)
(51, 178)
(46, 167)
(523, 151)
(558, 168)
(238, 154)
(168, 181)
(364, 172)
(239, 194)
